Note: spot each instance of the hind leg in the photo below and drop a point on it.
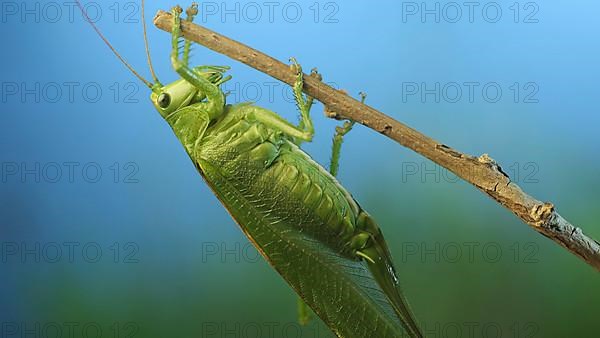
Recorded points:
(338, 139)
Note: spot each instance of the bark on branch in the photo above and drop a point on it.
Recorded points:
(483, 172)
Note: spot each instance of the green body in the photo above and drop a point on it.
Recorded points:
(269, 185)
(277, 179)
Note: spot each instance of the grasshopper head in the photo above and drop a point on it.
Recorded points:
(169, 98)
(173, 96)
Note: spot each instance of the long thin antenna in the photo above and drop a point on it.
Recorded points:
(146, 43)
(146, 82)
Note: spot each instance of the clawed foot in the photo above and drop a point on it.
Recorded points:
(191, 12)
(303, 102)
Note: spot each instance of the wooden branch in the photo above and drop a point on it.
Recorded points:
(483, 172)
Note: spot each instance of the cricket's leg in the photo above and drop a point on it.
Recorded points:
(304, 131)
(303, 102)
(338, 139)
(304, 313)
(215, 72)
(214, 94)
(191, 12)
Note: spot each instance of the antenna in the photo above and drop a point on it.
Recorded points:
(146, 82)
(146, 43)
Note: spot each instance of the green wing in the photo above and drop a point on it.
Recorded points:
(341, 291)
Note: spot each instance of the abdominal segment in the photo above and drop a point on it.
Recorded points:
(309, 198)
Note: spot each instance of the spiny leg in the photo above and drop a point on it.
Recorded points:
(303, 312)
(309, 99)
(304, 131)
(338, 139)
(191, 12)
(214, 95)
(303, 102)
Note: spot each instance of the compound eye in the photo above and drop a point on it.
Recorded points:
(164, 100)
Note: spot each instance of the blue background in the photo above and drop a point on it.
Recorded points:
(173, 263)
